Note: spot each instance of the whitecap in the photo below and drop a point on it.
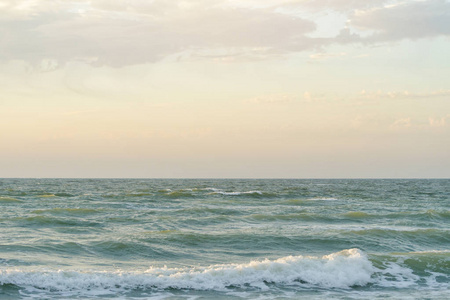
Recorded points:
(237, 193)
(343, 269)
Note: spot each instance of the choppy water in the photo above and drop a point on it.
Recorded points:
(230, 239)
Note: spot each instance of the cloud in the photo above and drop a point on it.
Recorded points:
(403, 95)
(401, 123)
(325, 56)
(306, 97)
(272, 99)
(339, 5)
(49, 33)
(121, 34)
(438, 122)
(407, 20)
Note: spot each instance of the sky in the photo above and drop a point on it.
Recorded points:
(225, 88)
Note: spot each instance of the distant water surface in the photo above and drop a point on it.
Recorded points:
(224, 239)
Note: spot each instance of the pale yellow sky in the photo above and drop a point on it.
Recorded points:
(292, 89)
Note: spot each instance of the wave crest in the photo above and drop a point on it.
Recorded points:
(338, 270)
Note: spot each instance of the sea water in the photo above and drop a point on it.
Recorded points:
(224, 239)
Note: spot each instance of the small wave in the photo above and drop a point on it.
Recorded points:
(356, 215)
(429, 252)
(64, 195)
(209, 211)
(401, 238)
(210, 189)
(248, 193)
(439, 214)
(343, 269)
(162, 232)
(425, 215)
(138, 194)
(122, 196)
(81, 211)
(323, 199)
(42, 220)
(179, 194)
(386, 231)
(304, 216)
(428, 214)
(295, 202)
(9, 200)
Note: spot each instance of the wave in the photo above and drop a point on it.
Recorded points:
(323, 199)
(406, 231)
(303, 216)
(343, 269)
(202, 192)
(256, 194)
(180, 194)
(142, 194)
(237, 193)
(216, 211)
(9, 200)
(42, 220)
(357, 215)
(210, 189)
(76, 211)
(64, 195)
(46, 195)
(426, 215)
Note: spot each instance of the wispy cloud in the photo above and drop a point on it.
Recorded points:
(325, 56)
(401, 123)
(119, 33)
(406, 20)
(272, 99)
(439, 122)
(403, 95)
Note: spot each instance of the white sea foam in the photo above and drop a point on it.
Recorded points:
(397, 276)
(211, 189)
(236, 193)
(323, 199)
(338, 270)
(215, 191)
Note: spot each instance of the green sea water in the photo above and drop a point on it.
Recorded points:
(224, 239)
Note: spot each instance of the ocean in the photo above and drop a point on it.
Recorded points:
(224, 239)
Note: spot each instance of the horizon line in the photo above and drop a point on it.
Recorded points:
(241, 178)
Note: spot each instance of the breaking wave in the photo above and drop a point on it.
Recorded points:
(343, 269)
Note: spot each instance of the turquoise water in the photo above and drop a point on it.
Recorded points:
(224, 239)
